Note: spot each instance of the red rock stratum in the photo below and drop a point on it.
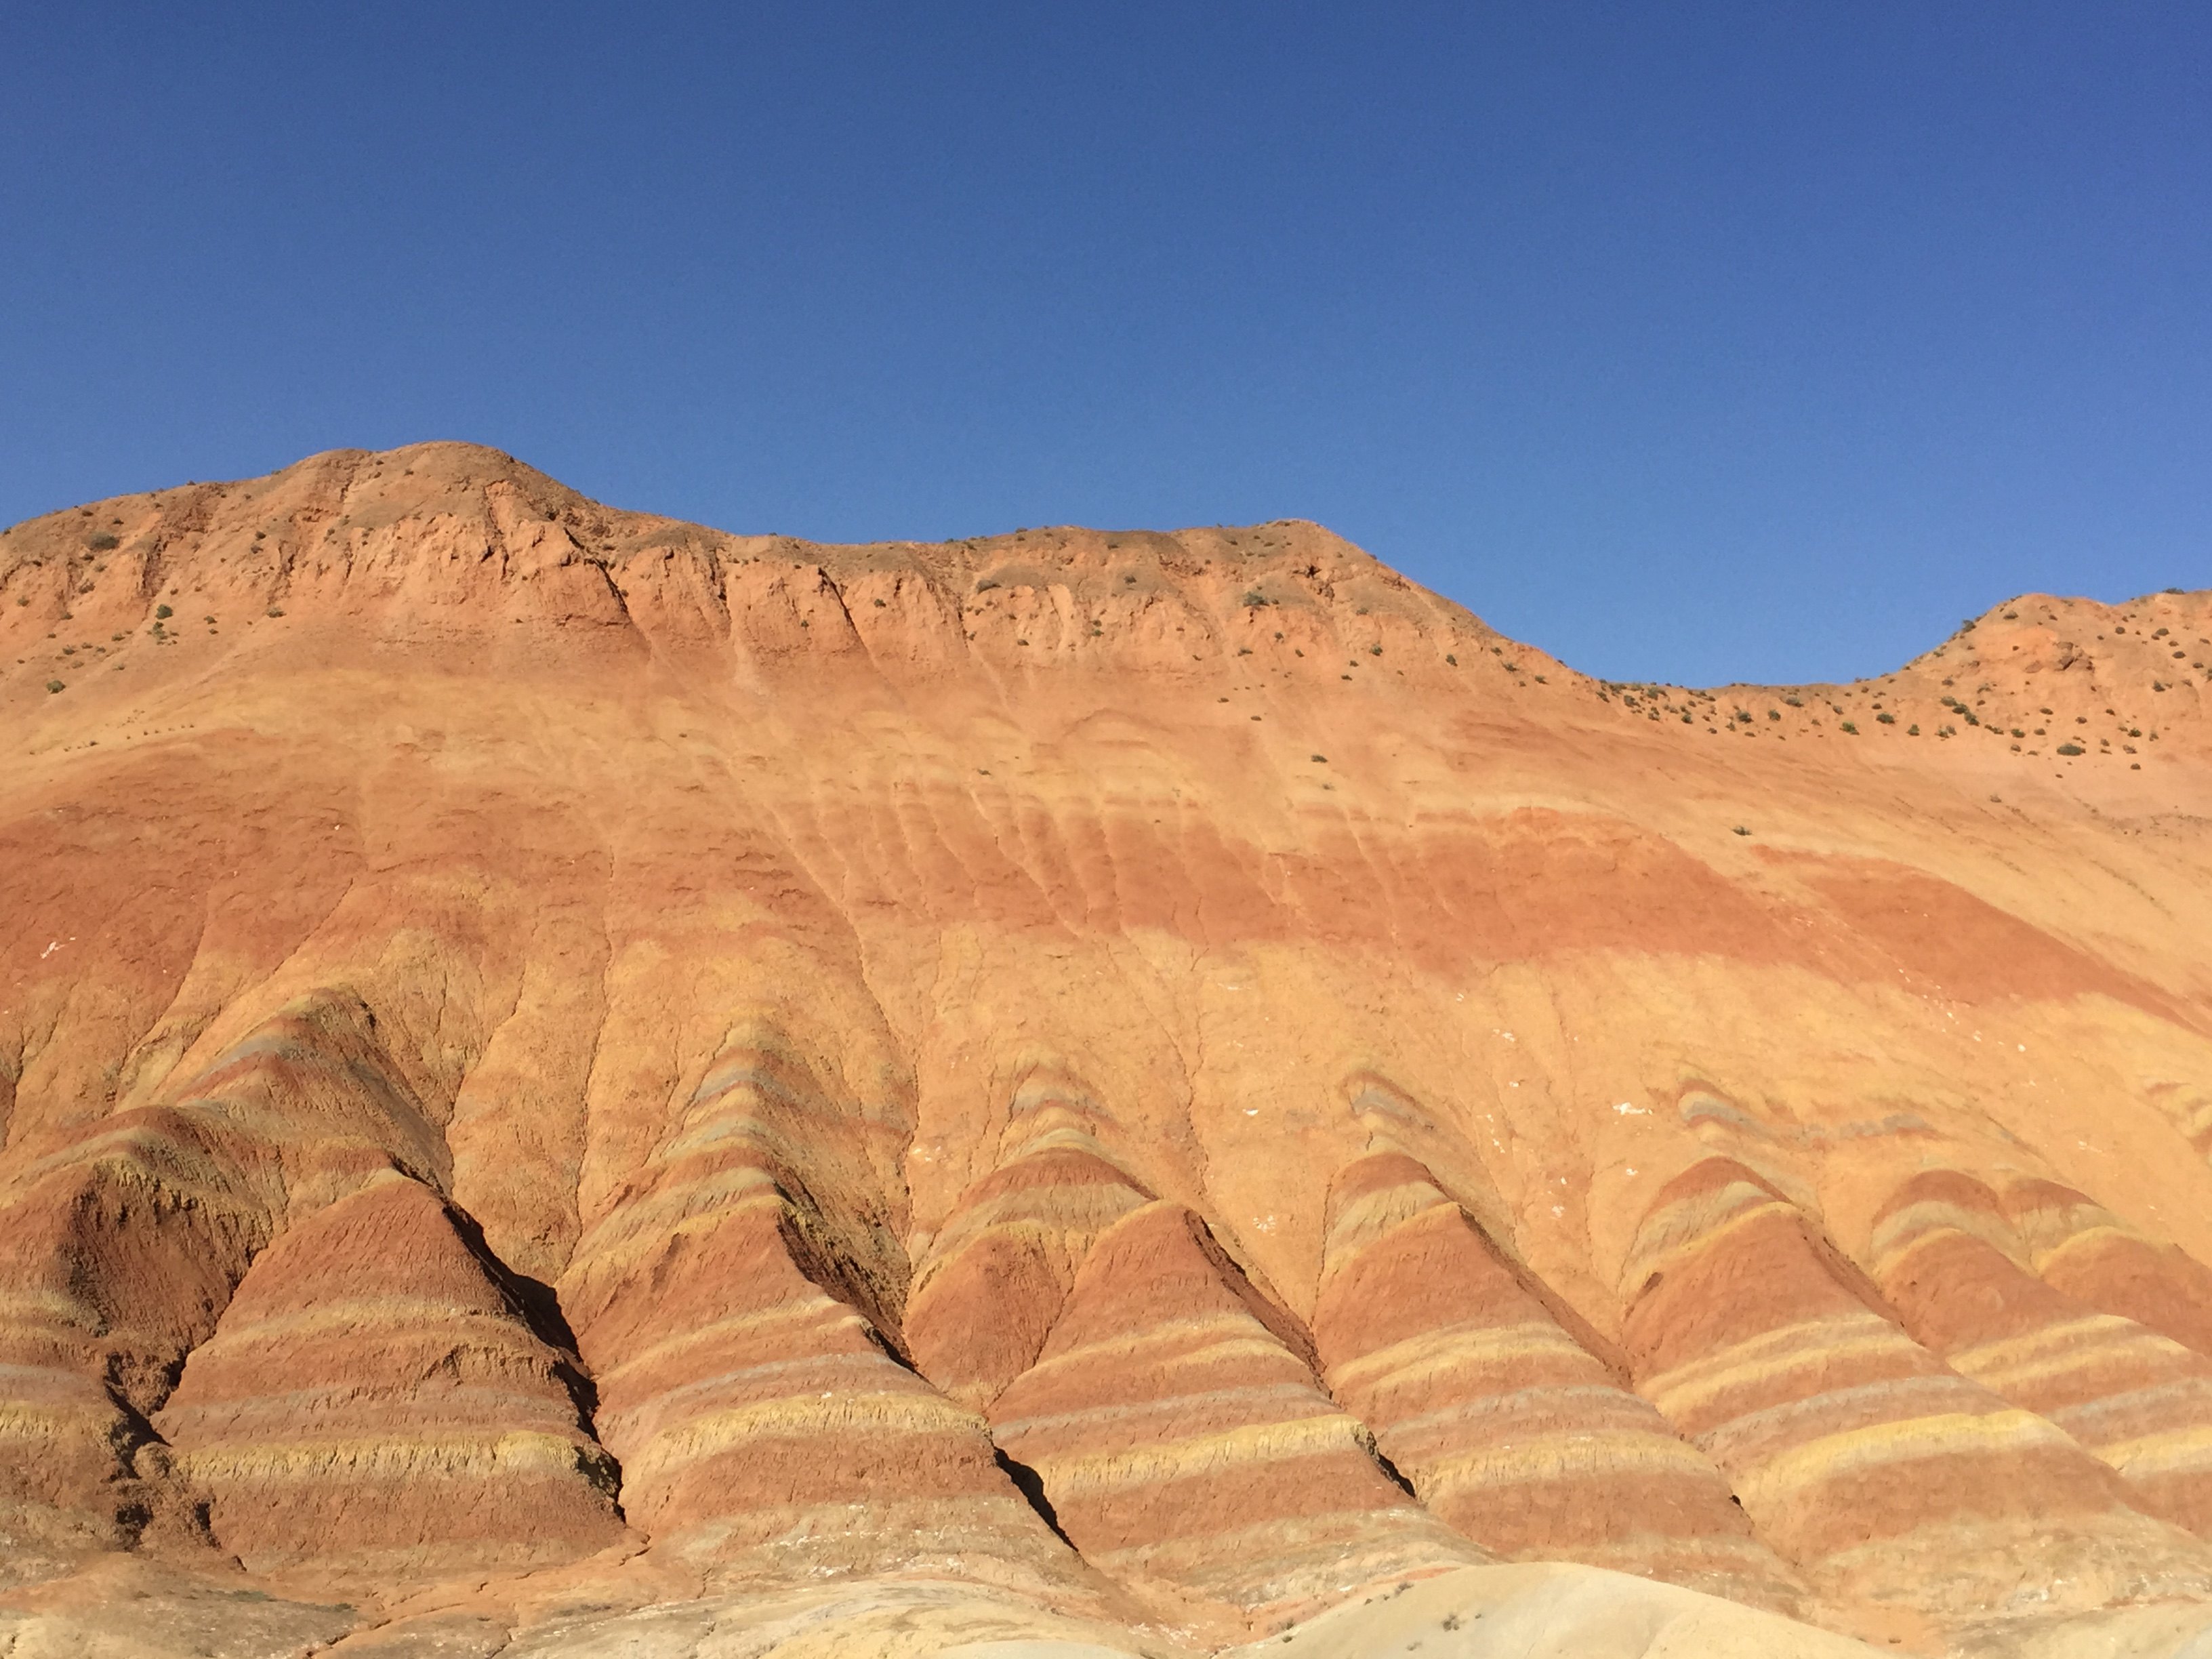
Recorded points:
(573, 1084)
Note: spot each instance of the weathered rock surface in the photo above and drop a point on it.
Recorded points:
(374, 1402)
(1179, 1434)
(1882, 1472)
(573, 1084)
(1509, 1428)
(1960, 1276)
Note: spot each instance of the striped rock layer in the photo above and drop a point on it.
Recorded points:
(123, 1237)
(1176, 1427)
(2083, 1249)
(1876, 1468)
(749, 1380)
(1509, 1428)
(120, 1245)
(1960, 1277)
(998, 1273)
(556, 1064)
(375, 1400)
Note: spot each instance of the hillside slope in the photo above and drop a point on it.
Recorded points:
(570, 1077)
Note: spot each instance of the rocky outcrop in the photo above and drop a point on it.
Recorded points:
(374, 1403)
(120, 1244)
(1958, 1275)
(567, 1078)
(2085, 1252)
(1507, 1426)
(1175, 1425)
(1882, 1472)
(739, 1328)
(998, 1273)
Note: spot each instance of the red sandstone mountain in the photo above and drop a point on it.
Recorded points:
(574, 1085)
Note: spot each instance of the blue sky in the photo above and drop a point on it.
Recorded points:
(1694, 342)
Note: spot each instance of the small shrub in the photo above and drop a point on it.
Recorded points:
(1794, 702)
(1885, 719)
(54, 685)
(2071, 748)
(1374, 650)
(1913, 729)
(1742, 830)
(1850, 728)
(162, 613)
(275, 611)
(1448, 657)
(1320, 760)
(100, 541)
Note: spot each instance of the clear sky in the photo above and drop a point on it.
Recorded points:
(1691, 341)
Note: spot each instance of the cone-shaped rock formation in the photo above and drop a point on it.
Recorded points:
(1508, 1428)
(1956, 1271)
(1177, 1428)
(1878, 1469)
(374, 1401)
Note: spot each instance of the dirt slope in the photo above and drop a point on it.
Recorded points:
(571, 1078)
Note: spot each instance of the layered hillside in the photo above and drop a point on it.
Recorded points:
(574, 1084)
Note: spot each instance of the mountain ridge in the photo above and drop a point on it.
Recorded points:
(1104, 1087)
